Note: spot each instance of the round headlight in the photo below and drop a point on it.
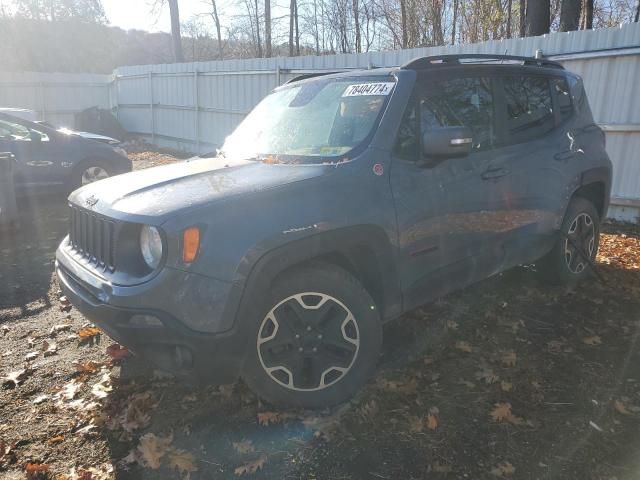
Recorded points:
(151, 246)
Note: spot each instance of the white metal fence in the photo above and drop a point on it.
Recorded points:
(194, 106)
(55, 96)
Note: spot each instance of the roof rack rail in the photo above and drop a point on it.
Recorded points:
(304, 76)
(422, 63)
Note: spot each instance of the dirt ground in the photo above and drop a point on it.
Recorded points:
(510, 378)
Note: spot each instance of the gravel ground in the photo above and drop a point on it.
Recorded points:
(509, 378)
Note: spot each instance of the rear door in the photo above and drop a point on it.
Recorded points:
(446, 226)
(533, 149)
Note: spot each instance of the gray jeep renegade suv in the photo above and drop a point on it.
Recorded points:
(340, 202)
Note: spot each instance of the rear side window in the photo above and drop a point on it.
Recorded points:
(563, 98)
(529, 107)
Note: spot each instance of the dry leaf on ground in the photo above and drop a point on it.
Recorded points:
(506, 386)
(251, 467)
(416, 424)
(464, 346)
(31, 356)
(63, 327)
(152, 448)
(103, 387)
(502, 413)
(594, 340)
(36, 470)
(503, 469)
(243, 447)
(488, 376)
(49, 348)
(69, 391)
(620, 407)
(271, 418)
(181, 460)
(17, 377)
(88, 332)
(509, 358)
(440, 468)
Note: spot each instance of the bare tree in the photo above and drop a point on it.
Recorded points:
(523, 14)
(509, 7)
(538, 17)
(636, 17)
(267, 28)
(174, 12)
(588, 15)
(216, 22)
(570, 15)
(454, 22)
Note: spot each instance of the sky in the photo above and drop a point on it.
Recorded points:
(128, 14)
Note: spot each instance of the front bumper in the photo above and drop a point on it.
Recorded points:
(173, 346)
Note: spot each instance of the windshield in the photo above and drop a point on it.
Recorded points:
(321, 119)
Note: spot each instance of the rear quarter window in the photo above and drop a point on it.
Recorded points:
(529, 107)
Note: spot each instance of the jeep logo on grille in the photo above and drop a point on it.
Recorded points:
(91, 201)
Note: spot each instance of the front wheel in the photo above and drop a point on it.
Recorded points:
(576, 247)
(317, 340)
(89, 172)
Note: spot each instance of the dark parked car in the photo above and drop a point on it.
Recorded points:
(339, 203)
(48, 159)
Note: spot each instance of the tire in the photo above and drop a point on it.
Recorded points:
(564, 265)
(329, 311)
(79, 177)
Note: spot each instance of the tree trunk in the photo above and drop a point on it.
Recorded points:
(267, 28)
(588, 14)
(455, 22)
(438, 35)
(570, 15)
(297, 30)
(637, 16)
(356, 21)
(175, 31)
(292, 7)
(523, 4)
(538, 17)
(216, 21)
(403, 14)
(509, 7)
(259, 50)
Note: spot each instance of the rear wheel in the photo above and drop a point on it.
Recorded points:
(577, 245)
(317, 340)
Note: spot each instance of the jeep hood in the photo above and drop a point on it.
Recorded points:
(156, 194)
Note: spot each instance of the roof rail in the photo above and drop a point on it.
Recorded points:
(304, 76)
(422, 63)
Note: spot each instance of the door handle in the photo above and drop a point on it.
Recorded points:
(567, 154)
(493, 173)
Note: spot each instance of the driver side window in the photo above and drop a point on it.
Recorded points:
(451, 102)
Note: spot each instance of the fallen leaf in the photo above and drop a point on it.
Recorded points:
(452, 325)
(509, 358)
(403, 386)
(440, 468)
(432, 422)
(49, 348)
(181, 460)
(63, 327)
(506, 386)
(88, 332)
(152, 448)
(503, 469)
(243, 447)
(464, 346)
(40, 399)
(137, 414)
(620, 407)
(501, 412)
(17, 376)
(488, 376)
(65, 304)
(88, 367)
(368, 410)
(103, 387)
(5, 330)
(36, 471)
(69, 391)
(251, 467)
(269, 418)
(31, 356)
(56, 439)
(594, 340)
(30, 342)
(117, 351)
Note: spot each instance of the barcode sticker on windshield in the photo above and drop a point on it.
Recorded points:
(362, 89)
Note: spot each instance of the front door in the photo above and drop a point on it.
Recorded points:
(447, 231)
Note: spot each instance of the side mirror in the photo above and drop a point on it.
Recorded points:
(446, 142)
(35, 136)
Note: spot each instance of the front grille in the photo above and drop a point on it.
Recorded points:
(92, 238)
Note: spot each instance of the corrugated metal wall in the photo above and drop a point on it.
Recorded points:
(55, 96)
(194, 106)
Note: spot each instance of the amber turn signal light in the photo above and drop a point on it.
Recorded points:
(190, 244)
